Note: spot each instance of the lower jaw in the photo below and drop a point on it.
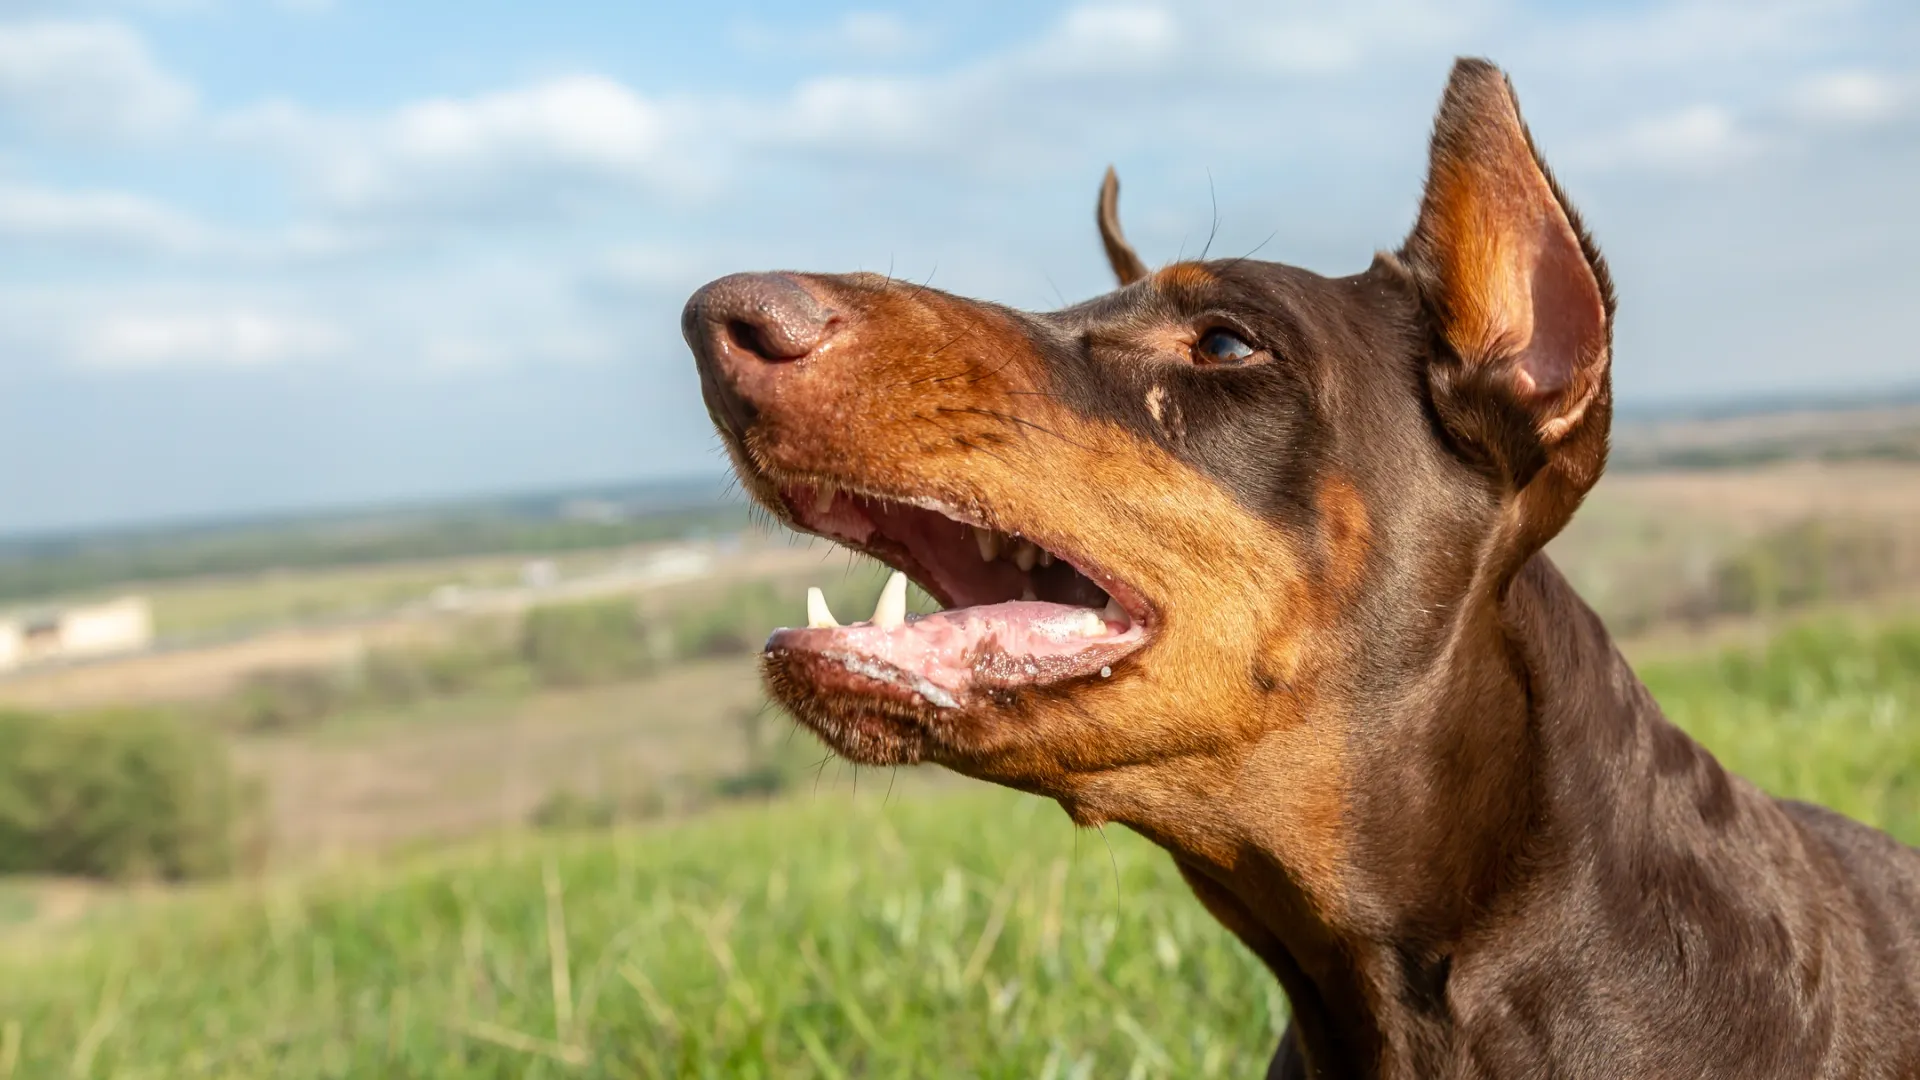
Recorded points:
(955, 658)
(865, 721)
(845, 672)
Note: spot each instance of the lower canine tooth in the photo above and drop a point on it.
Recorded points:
(1116, 613)
(823, 497)
(819, 616)
(989, 543)
(1025, 555)
(891, 610)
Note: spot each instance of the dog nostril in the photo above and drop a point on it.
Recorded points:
(750, 338)
(757, 318)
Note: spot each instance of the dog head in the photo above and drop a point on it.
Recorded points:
(1186, 532)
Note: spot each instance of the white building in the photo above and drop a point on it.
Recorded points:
(77, 633)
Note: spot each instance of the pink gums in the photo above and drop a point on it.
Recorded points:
(941, 657)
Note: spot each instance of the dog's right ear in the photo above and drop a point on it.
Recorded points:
(1519, 294)
(1126, 264)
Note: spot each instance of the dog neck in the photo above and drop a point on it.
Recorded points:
(1457, 789)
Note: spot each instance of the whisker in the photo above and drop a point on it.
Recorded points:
(1212, 232)
(1256, 249)
(1010, 419)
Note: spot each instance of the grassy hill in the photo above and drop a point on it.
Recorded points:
(968, 935)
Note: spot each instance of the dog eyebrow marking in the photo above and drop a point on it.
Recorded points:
(1183, 279)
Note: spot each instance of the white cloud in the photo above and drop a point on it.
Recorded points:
(91, 80)
(97, 218)
(123, 222)
(239, 338)
(1695, 139)
(1698, 36)
(1110, 38)
(648, 267)
(444, 154)
(1850, 98)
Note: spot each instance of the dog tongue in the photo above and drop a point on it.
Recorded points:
(939, 657)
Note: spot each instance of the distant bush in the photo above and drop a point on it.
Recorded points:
(586, 642)
(285, 699)
(1804, 563)
(116, 795)
(401, 676)
(569, 810)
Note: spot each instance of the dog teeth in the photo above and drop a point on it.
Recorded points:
(1115, 613)
(823, 497)
(1026, 593)
(819, 616)
(891, 610)
(989, 543)
(1092, 625)
(1046, 557)
(1025, 555)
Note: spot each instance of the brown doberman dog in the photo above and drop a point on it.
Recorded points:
(1249, 560)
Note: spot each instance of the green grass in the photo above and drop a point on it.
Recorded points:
(964, 936)
(1828, 712)
(972, 935)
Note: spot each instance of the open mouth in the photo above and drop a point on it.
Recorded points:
(1018, 612)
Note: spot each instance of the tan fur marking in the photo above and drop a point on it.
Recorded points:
(1346, 533)
(1183, 278)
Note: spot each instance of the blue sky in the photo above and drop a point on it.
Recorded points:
(272, 254)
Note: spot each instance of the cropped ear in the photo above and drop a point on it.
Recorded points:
(1519, 292)
(1126, 265)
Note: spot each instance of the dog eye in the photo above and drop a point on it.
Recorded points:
(1222, 348)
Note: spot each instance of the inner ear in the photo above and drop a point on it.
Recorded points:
(1520, 293)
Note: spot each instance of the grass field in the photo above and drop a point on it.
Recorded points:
(837, 936)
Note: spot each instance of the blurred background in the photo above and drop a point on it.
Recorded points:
(377, 624)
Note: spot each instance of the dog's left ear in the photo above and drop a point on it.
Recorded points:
(1106, 213)
(1519, 293)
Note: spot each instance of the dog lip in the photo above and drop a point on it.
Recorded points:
(946, 658)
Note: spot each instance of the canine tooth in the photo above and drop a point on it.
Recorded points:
(819, 616)
(1026, 593)
(823, 497)
(989, 543)
(1025, 555)
(891, 610)
(1046, 557)
(1116, 613)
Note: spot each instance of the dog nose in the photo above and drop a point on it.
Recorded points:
(748, 319)
(746, 332)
